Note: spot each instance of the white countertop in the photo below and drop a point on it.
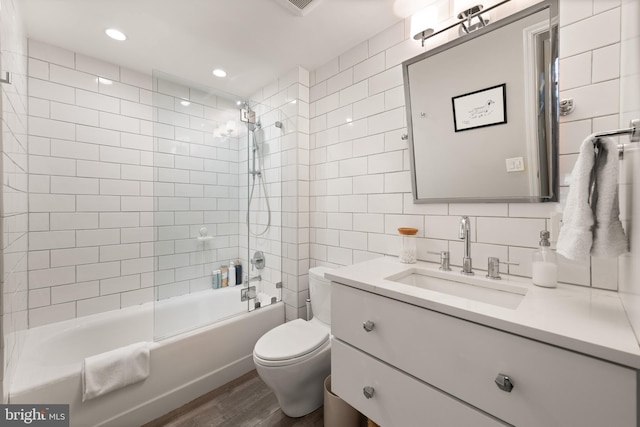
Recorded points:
(585, 320)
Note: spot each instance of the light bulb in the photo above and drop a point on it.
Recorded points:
(424, 22)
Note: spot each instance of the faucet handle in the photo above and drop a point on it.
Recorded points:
(493, 267)
(444, 259)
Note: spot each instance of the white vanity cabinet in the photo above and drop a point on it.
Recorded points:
(403, 365)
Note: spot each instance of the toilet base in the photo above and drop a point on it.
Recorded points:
(299, 388)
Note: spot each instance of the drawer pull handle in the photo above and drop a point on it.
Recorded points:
(504, 383)
(368, 392)
(368, 325)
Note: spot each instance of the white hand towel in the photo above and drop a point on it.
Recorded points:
(109, 371)
(575, 238)
(609, 239)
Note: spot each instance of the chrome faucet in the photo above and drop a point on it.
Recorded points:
(465, 234)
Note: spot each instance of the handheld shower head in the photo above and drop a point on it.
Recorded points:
(253, 127)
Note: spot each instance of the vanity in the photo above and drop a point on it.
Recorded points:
(415, 346)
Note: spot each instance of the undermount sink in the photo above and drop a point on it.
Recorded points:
(468, 287)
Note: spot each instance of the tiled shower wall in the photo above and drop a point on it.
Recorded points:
(90, 185)
(359, 166)
(96, 131)
(197, 137)
(13, 286)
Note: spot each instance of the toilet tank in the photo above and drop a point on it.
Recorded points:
(320, 294)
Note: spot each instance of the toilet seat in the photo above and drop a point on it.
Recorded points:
(291, 342)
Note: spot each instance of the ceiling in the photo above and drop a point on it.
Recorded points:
(254, 41)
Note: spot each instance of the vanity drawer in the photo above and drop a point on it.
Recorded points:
(398, 399)
(552, 386)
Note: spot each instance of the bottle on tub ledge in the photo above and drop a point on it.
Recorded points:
(216, 279)
(232, 273)
(238, 272)
(225, 276)
(544, 264)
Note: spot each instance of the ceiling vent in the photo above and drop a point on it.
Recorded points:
(299, 7)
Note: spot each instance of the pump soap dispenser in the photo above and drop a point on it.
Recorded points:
(544, 266)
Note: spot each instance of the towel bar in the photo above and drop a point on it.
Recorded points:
(633, 131)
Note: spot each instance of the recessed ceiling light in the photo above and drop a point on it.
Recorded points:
(115, 34)
(219, 73)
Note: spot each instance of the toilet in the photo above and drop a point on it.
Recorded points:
(293, 359)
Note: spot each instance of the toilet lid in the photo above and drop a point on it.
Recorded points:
(290, 340)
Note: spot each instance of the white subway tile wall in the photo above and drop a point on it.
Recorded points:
(337, 172)
(195, 186)
(75, 182)
(123, 169)
(359, 170)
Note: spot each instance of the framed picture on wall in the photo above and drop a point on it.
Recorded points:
(484, 107)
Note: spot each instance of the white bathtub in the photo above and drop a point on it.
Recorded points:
(183, 367)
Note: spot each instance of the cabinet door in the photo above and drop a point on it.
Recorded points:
(552, 387)
(398, 399)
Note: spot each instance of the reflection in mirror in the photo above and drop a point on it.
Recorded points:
(482, 113)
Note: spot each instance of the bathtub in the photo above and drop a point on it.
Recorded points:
(183, 366)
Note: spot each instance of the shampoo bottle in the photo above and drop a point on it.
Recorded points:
(544, 266)
(232, 273)
(238, 272)
(224, 282)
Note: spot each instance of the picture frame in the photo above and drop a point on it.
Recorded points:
(481, 108)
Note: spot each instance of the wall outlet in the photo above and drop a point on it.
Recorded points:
(515, 164)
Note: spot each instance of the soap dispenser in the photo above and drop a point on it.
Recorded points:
(544, 266)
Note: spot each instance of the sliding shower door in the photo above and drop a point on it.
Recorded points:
(203, 247)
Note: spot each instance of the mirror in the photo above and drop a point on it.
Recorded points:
(482, 113)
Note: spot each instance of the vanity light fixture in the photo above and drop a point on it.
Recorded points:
(471, 15)
(424, 22)
(116, 34)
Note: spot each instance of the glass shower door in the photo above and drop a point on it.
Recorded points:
(198, 137)
(262, 227)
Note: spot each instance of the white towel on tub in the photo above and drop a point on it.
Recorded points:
(112, 370)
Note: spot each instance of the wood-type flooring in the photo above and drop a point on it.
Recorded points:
(244, 402)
